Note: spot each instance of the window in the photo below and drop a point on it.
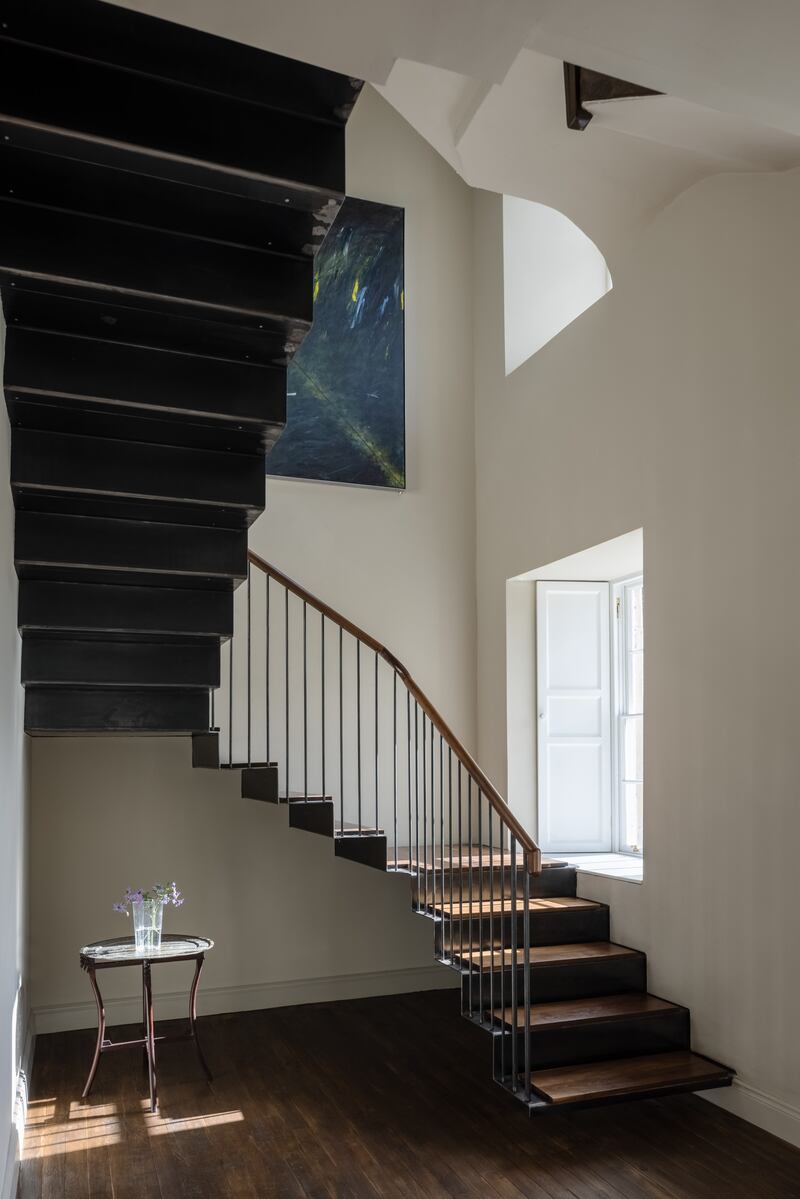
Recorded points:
(590, 721)
(628, 608)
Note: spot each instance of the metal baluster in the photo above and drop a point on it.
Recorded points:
(377, 823)
(230, 697)
(408, 773)
(249, 677)
(469, 901)
(416, 797)
(322, 692)
(450, 840)
(341, 738)
(461, 888)
(394, 762)
(305, 701)
(212, 691)
(502, 840)
(526, 949)
(490, 817)
(425, 807)
(358, 728)
(441, 839)
(286, 681)
(430, 880)
(514, 1067)
(480, 900)
(266, 669)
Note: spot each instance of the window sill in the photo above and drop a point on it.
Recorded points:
(624, 866)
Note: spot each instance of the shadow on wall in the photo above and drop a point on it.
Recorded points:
(552, 273)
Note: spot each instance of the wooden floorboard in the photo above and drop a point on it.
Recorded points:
(387, 1098)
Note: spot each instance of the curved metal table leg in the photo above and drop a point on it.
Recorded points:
(101, 1032)
(150, 1033)
(193, 1015)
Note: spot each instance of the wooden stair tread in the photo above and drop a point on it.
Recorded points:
(570, 1013)
(499, 907)
(627, 1076)
(550, 955)
(463, 856)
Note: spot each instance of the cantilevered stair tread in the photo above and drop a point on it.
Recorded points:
(458, 910)
(629, 1076)
(549, 955)
(572, 1013)
(462, 858)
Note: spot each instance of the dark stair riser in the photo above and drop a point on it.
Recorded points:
(49, 543)
(53, 710)
(100, 319)
(314, 816)
(50, 414)
(75, 607)
(160, 204)
(153, 46)
(549, 927)
(66, 465)
(67, 254)
(575, 980)
(551, 882)
(92, 663)
(88, 373)
(261, 783)
(368, 851)
(170, 131)
(658, 1032)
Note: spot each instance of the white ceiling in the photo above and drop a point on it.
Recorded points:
(481, 80)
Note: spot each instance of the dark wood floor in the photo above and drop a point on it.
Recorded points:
(376, 1097)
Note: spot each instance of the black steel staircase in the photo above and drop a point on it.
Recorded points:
(163, 195)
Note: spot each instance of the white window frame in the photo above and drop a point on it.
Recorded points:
(620, 649)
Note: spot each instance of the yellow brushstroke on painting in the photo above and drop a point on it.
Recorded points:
(316, 287)
(354, 296)
(356, 435)
(402, 301)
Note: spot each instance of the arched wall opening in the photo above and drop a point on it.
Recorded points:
(552, 272)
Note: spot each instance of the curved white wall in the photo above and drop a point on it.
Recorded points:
(552, 273)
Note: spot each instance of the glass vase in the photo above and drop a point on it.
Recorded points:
(147, 917)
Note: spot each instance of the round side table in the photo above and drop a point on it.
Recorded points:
(120, 951)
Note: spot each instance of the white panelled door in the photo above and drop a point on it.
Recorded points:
(574, 717)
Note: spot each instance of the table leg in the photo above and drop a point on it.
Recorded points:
(193, 1015)
(151, 1044)
(145, 1058)
(101, 1032)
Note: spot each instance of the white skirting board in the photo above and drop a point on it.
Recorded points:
(10, 1175)
(246, 998)
(773, 1115)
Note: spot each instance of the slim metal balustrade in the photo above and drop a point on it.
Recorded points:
(363, 744)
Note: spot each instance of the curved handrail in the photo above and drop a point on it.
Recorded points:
(533, 857)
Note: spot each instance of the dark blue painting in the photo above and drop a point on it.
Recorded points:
(346, 384)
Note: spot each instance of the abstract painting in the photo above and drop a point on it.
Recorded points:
(346, 384)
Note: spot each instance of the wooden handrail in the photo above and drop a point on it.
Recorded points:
(533, 857)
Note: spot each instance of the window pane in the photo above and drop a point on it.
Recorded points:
(635, 608)
(632, 838)
(635, 683)
(633, 748)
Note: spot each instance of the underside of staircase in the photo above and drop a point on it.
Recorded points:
(164, 193)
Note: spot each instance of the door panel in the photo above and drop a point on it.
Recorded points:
(574, 725)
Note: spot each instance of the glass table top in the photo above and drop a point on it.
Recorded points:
(117, 951)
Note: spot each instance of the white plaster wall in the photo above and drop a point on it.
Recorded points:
(13, 837)
(672, 405)
(292, 922)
